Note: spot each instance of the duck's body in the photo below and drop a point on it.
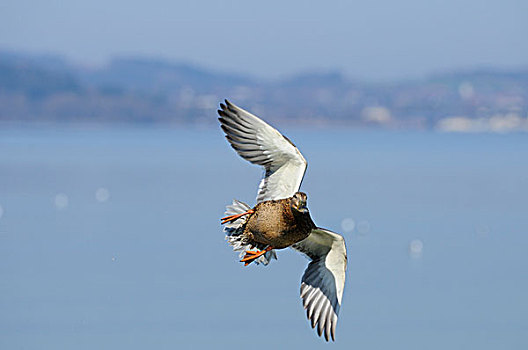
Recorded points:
(278, 224)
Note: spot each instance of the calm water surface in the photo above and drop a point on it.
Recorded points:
(110, 239)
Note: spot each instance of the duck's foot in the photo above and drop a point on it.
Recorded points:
(251, 255)
(236, 216)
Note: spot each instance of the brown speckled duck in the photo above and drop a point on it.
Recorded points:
(281, 219)
(275, 224)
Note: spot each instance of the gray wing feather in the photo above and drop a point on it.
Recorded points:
(261, 144)
(324, 279)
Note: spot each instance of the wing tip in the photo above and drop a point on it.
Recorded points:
(224, 106)
(221, 112)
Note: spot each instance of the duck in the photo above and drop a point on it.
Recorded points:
(281, 218)
(275, 224)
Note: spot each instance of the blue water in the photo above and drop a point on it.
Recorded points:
(148, 267)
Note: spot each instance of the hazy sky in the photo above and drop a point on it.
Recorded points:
(377, 39)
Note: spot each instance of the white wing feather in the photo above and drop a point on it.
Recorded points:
(324, 279)
(260, 143)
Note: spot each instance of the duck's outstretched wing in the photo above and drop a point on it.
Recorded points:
(260, 143)
(324, 279)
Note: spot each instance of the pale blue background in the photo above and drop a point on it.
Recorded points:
(149, 268)
(372, 40)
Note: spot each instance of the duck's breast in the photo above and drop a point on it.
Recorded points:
(274, 224)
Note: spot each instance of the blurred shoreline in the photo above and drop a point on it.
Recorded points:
(44, 89)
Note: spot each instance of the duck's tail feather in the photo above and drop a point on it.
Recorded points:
(234, 233)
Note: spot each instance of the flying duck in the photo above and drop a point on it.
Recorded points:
(281, 219)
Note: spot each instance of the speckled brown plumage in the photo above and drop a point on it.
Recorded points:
(279, 223)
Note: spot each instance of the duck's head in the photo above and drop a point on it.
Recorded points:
(298, 202)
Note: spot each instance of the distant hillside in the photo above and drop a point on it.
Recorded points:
(45, 88)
